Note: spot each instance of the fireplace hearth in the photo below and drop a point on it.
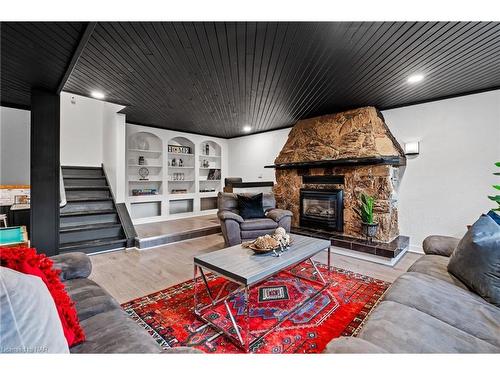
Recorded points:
(321, 208)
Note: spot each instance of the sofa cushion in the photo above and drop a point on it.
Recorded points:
(494, 216)
(277, 214)
(453, 305)
(476, 260)
(258, 224)
(348, 345)
(114, 332)
(435, 266)
(72, 265)
(90, 299)
(29, 321)
(398, 328)
(440, 245)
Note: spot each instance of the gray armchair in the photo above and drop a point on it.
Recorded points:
(235, 229)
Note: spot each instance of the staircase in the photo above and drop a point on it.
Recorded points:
(89, 221)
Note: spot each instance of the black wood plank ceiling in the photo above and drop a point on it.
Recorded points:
(215, 78)
(34, 55)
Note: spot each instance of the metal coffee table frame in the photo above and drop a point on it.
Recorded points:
(245, 343)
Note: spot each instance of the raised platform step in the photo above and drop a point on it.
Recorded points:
(142, 243)
(171, 231)
(95, 246)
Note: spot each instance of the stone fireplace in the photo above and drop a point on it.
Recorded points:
(351, 152)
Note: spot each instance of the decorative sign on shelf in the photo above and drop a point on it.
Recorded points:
(179, 149)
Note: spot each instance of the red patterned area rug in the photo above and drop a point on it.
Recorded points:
(337, 311)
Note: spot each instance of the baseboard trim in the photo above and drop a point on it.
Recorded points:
(416, 249)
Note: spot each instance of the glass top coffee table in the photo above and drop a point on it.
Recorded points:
(246, 269)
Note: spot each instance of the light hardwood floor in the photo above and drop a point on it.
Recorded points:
(130, 274)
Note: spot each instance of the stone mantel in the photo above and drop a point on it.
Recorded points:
(396, 161)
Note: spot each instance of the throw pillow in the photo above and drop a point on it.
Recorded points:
(476, 260)
(29, 319)
(250, 207)
(27, 261)
(494, 216)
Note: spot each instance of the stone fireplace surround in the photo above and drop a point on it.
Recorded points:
(357, 152)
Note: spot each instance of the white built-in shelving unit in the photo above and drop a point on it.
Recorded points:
(185, 170)
(149, 148)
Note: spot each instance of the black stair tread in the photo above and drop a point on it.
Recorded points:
(93, 243)
(78, 228)
(86, 187)
(83, 177)
(89, 199)
(77, 167)
(89, 212)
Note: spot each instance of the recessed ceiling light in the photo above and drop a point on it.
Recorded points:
(247, 128)
(97, 95)
(414, 78)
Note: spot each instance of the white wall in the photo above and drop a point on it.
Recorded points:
(81, 131)
(14, 146)
(445, 187)
(248, 155)
(113, 149)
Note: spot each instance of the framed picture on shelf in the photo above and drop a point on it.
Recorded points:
(213, 174)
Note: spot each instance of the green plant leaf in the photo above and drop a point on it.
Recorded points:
(497, 163)
(497, 173)
(494, 198)
(496, 187)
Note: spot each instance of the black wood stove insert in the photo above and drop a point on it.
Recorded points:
(322, 209)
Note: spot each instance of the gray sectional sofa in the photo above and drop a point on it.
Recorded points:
(108, 329)
(428, 310)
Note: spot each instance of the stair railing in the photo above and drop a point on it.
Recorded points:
(62, 191)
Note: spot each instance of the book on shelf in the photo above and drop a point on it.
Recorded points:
(138, 192)
(214, 174)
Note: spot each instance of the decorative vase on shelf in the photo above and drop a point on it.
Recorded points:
(207, 149)
(181, 163)
(174, 162)
(141, 143)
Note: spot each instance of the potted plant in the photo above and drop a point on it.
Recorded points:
(496, 198)
(366, 213)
